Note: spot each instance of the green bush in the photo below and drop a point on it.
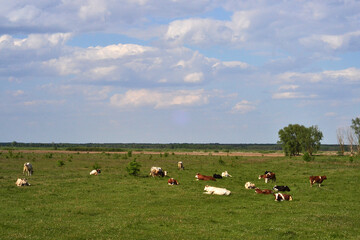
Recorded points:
(133, 168)
(307, 157)
(96, 166)
(221, 162)
(129, 153)
(60, 163)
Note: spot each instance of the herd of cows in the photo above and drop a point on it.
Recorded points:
(158, 171)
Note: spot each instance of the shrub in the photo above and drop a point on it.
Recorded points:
(221, 162)
(133, 168)
(307, 157)
(96, 166)
(129, 153)
(60, 163)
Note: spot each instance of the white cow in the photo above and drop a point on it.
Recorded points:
(22, 182)
(28, 169)
(216, 190)
(157, 171)
(95, 172)
(180, 166)
(225, 174)
(250, 185)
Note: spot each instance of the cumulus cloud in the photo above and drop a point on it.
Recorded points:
(159, 99)
(292, 95)
(244, 107)
(194, 77)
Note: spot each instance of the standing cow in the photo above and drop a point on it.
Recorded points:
(316, 179)
(28, 169)
(180, 166)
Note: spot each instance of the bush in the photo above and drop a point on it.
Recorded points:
(133, 168)
(221, 162)
(60, 163)
(96, 166)
(307, 157)
(129, 153)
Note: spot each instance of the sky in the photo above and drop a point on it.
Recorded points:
(176, 71)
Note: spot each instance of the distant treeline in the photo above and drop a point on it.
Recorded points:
(118, 147)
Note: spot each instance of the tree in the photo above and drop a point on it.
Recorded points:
(133, 168)
(350, 134)
(340, 137)
(356, 127)
(297, 138)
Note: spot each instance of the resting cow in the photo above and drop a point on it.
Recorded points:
(180, 166)
(265, 191)
(316, 179)
(172, 181)
(218, 176)
(249, 185)
(268, 176)
(216, 190)
(198, 176)
(95, 172)
(22, 182)
(28, 169)
(281, 197)
(281, 188)
(157, 171)
(225, 174)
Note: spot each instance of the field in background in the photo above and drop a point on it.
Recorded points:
(67, 203)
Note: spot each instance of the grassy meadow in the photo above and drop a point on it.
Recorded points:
(65, 202)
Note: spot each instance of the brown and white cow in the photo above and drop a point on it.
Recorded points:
(28, 169)
(316, 179)
(157, 171)
(198, 176)
(22, 182)
(268, 176)
(172, 181)
(282, 197)
(180, 166)
(250, 185)
(265, 191)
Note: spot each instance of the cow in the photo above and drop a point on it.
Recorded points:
(249, 185)
(281, 197)
(218, 176)
(95, 172)
(22, 182)
(157, 171)
(28, 169)
(316, 179)
(216, 190)
(198, 176)
(265, 191)
(281, 188)
(268, 176)
(225, 174)
(172, 181)
(180, 166)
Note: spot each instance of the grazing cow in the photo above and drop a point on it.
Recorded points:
(268, 176)
(22, 182)
(216, 191)
(281, 197)
(28, 169)
(180, 166)
(281, 188)
(265, 191)
(249, 185)
(198, 176)
(316, 179)
(95, 172)
(172, 181)
(218, 176)
(157, 171)
(225, 174)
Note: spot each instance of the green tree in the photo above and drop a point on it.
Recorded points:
(133, 168)
(356, 127)
(297, 138)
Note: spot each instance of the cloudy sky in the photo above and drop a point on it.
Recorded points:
(176, 71)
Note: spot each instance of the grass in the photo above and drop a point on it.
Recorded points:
(67, 203)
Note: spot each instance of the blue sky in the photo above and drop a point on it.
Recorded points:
(172, 71)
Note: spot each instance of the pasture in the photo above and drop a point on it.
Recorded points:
(65, 202)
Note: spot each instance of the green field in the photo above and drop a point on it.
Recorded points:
(67, 203)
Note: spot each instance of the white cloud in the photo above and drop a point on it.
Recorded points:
(18, 93)
(330, 114)
(288, 87)
(244, 107)
(44, 102)
(194, 77)
(292, 95)
(159, 99)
